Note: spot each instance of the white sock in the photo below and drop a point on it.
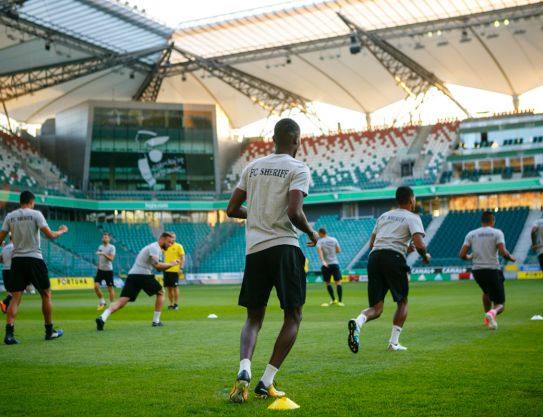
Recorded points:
(269, 375)
(156, 316)
(361, 319)
(395, 335)
(245, 365)
(102, 301)
(106, 314)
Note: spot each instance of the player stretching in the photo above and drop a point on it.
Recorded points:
(171, 275)
(485, 243)
(5, 258)
(141, 277)
(27, 266)
(537, 241)
(106, 254)
(274, 188)
(396, 232)
(328, 248)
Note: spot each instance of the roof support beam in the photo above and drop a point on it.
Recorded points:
(150, 87)
(19, 83)
(412, 77)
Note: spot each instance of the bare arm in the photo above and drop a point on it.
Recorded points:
(162, 266)
(235, 207)
(182, 262)
(338, 248)
(420, 246)
(296, 215)
(3, 235)
(505, 253)
(372, 241)
(50, 234)
(464, 253)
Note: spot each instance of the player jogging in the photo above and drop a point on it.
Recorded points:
(328, 248)
(27, 265)
(104, 272)
(141, 277)
(274, 188)
(537, 241)
(171, 275)
(396, 233)
(485, 243)
(5, 258)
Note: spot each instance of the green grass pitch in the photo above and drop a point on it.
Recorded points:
(454, 366)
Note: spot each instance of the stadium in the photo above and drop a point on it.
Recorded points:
(121, 123)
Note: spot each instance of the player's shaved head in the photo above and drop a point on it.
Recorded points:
(487, 217)
(286, 135)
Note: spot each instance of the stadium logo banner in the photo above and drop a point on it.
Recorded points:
(72, 283)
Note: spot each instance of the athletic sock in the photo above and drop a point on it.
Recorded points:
(395, 335)
(49, 329)
(330, 291)
(7, 299)
(339, 292)
(269, 375)
(156, 317)
(361, 319)
(102, 301)
(10, 328)
(106, 314)
(245, 365)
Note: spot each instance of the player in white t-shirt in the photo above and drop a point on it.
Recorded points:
(104, 272)
(396, 233)
(537, 240)
(141, 277)
(274, 188)
(5, 258)
(485, 244)
(328, 248)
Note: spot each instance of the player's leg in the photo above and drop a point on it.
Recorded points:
(286, 264)
(397, 276)
(111, 291)
(99, 294)
(159, 302)
(339, 288)
(327, 276)
(497, 296)
(176, 297)
(39, 278)
(47, 311)
(487, 304)
(4, 304)
(400, 315)
(9, 338)
(254, 294)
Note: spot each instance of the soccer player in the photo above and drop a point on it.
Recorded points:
(274, 188)
(104, 272)
(485, 244)
(27, 265)
(141, 277)
(396, 233)
(171, 275)
(328, 248)
(5, 258)
(537, 241)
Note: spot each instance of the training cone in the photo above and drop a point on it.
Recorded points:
(283, 404)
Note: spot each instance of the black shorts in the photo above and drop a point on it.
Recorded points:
(106, 276)
(281, 267)
(491, 282)
(387, 270)
(171, 279)
(540, 259)
(5, 277)
(135, 283)
(331, 271)
(26, 270)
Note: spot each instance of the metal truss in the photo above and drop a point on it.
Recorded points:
(150, 87)
(412, 77)
(19, 83)
(270, 97)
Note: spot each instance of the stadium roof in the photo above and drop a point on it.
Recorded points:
(253, 63)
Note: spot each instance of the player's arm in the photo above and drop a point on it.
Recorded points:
(338, 248)
(109, 256)
(372, 240)
(3, 234)
(505, 253)
(296, 215)
(321, 256)
(464, 253)
(235, 207)
(182, 262)
(50, 234)
(162, 266)
(420, 247)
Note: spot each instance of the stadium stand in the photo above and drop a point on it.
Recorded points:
(192, 236)
(229, 255)
(448, 239)
(437, 146)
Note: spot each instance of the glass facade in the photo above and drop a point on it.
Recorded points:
(152, 150)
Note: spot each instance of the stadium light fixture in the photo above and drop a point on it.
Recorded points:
(419, 45)
(183, 77)
(356, 46)
(506, 22)
(430, 34)
(496, 23)
(132, 75)
(288, 60)
(47, 46)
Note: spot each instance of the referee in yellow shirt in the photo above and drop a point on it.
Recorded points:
(171, 275)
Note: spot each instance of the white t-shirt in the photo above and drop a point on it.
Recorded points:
(539, 236)
(328, 247)
(144, 260)
(267, 182)
(7, 253)
(395, 229)
(484, 247)
(105, 264)
(24, 226)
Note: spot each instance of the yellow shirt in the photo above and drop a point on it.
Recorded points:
(174, 252)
